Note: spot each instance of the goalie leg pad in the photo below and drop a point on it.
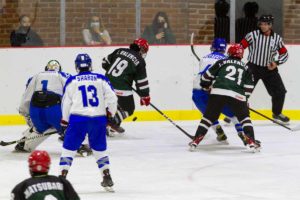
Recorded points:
(31, 145)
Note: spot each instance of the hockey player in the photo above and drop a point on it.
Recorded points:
(87, 99)
(41, 106)
(230, 83)
(41, 185)
(123, 67)
(200, 95)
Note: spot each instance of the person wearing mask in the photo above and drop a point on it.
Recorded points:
(24, 35)
(96, 34)
(159, 32)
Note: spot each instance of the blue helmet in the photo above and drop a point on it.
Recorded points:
(83, 61)
(218, 44)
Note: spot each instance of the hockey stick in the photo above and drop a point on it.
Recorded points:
(3, 143)
(270, 119)
(192, 47)
(165, 116)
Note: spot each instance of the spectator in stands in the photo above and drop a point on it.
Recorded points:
(222, 20)
(159, 32)
(248, 23)
(24, 35)
(96, 33)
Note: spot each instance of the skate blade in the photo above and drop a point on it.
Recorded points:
(115, 135)
(223, 142)
(192, 148)
(84, 154)
(281, 122)
(253, 149)
(20, 151)
(109, 189)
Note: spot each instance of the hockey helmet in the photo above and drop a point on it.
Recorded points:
(39, 161)
(266, 18)
(53, 65)
(83, 61)
(143, 46)
(218, 44)
(236, 51)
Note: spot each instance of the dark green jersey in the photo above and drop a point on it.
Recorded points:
(229, 77)
(43, 188)
(123, 67)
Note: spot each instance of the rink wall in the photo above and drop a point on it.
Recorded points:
(170, 73)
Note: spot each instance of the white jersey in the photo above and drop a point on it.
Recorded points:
(205, 63)
(51, 81)
(88, 94)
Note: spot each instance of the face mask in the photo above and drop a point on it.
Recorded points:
(95, 24)
(161, 24)
(24, 28)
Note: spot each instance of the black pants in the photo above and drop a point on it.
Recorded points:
(273, 83)
(214, 108)
(126, 108)
(127, 103)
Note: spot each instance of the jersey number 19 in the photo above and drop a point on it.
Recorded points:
(118, 67)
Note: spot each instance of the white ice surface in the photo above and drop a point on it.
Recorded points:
(152, 162)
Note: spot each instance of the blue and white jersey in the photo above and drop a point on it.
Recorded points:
(205, 63)
(52, 81)
(88, 94)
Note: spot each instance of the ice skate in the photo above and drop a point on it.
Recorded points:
(221, 137)
(245, 139)
(84, 150)
(110, 132)
(19, 148)
(107, 182)
(281, 119)
(114, 126)
(253, 146)
(193, 145)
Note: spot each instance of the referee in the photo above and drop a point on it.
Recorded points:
(264, 44)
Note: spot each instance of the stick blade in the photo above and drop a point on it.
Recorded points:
(296, 128)
(2, 143)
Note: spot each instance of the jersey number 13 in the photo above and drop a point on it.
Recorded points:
(85, 90)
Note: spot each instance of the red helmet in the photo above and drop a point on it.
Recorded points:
(143, 44)
(39, 161)
(236, 50)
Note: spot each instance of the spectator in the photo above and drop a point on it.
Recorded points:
(248, 23)
(159, 32)
(222, 20)
(24, 35)
(96, 33)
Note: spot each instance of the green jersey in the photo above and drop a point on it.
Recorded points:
(123, 67)
(229, 77)
(44, 187)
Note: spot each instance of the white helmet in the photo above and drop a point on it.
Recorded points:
(53, 65)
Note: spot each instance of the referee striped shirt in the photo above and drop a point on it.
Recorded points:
(263, 49)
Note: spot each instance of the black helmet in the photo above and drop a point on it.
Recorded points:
(266, 18)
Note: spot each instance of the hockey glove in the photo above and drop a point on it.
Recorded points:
(145, 101)
(64, 125)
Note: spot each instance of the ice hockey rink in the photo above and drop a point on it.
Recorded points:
(152, 161)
